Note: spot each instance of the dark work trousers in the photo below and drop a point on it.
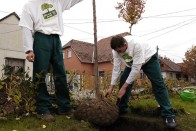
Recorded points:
(153, 71)
(48, 51)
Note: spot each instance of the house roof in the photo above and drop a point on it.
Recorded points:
(83, 50)
(173, 67)
(104, 49)
(13, 13)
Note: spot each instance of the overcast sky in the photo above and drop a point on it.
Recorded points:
(169, 24)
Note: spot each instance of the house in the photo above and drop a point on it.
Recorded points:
(11, 48)
(78, 55)
(172, 70)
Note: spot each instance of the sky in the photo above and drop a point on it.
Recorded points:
(168, 24)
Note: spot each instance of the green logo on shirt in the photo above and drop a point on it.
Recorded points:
(127, 58)
(46, 6)
(48, 14)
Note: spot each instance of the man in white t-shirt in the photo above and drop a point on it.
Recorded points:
(136, 55)
(42, 24)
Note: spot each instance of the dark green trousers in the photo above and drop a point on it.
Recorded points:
(153, 71)
(48, 51)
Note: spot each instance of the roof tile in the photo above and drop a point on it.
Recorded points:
(172, 66)
(83, 50)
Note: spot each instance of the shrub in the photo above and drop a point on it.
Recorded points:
(18, 93)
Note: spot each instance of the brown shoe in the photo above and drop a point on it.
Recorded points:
(46, 117)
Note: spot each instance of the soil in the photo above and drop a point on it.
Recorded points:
(101, 111)
(131, 122)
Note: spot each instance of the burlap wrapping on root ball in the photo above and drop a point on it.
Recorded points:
(101, 112)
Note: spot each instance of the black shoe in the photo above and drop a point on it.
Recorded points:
(170, 122)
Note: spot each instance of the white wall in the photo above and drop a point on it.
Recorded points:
(11, 42)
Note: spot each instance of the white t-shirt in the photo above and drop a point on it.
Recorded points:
(138, 53)
(45, 15)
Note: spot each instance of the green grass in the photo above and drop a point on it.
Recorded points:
(186, 121)
(62, 123)
(185, 111)
(145, 117)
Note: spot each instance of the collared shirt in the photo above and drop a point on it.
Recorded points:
(138, 53)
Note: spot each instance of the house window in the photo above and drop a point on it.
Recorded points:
(12, 65)
(69, 54)
(178, 76)
(101, 73)
(63, 55)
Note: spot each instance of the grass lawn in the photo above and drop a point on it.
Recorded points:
(142, 117)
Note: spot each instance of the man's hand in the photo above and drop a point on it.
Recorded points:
(122, 91)
(109, 91)
(30, 56)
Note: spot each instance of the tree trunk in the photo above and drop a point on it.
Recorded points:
(96, 85)
(130, 27)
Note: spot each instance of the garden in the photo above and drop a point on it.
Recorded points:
(17, 109)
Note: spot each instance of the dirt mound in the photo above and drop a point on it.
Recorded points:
(101, 112)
